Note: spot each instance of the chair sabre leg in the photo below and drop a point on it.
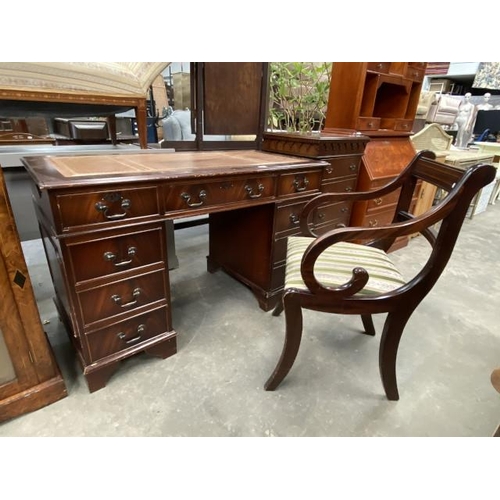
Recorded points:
(368, 324)
(293, 335)
(393, 330)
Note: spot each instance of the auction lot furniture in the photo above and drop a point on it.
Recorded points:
(102, 220)
(333, 274)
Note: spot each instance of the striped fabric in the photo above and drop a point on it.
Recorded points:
(334, 266)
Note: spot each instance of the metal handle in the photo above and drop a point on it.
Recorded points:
(140, 330)
(251, 194)
(125, 204)
(353, 167)
(201, 197)
(135, 294)
(110, 256)
(348, 189)
(329, 170)
(297, 183)
(344, 210)
(377, 201)
(373, 223)
(294, 218)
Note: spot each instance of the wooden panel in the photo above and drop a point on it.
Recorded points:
(299, 182)
(236, 110)
(121, 297)
(127, 334)
(115, 252)
(107, 207)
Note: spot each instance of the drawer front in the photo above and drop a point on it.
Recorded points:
(301, 182)
(113, 254)
(343, 186)
(383, 201)
(380, 67)
(342, 167)
(403, 125)
(379, 218)
(287, 217)
(338, 213)
(181, 197)
(368, 123)
(105, 207)
(121, 296)
(127, 334)
(414, 73)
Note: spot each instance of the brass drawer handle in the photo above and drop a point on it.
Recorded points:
(135, 294)
(140, 330)
(329, 170)
(344, 210)
(294, 218)
(110, 257)
(340, 225)
(348, 189)
(352, 167)
(377, 201)
(101, 206)
(301, 184)
(373, 223)
(187, 198)
(251, 194)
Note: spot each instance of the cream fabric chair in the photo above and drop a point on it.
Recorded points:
(444, 111)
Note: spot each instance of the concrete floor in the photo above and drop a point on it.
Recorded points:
(227, 347)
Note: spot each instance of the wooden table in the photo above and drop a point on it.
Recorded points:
(102, 222)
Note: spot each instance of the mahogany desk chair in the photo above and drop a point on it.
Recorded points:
(359, 278)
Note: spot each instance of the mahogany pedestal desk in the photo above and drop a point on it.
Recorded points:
(102, 224)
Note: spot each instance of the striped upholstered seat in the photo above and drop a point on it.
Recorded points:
(334, 266)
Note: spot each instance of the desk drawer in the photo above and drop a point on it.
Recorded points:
(115, 253)
(342, 186)
(127, 334)
(341, 167)
(301, 182)
(203, 194)
(106, 207)
(122, 296)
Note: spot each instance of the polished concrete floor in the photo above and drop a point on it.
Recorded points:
(227, 347)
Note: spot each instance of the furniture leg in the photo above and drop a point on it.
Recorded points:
(391, 335)
(293, 336)
(368, 324)
(142, 124)
(97, 379)
(163, 349)
(111, 119)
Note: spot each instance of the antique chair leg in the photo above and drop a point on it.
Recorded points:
(391, 335)
(368, 324)
(279, 308)
(293, 335)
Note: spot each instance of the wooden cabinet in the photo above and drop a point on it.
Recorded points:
(29, 376)
(379, 100)
(374, 96)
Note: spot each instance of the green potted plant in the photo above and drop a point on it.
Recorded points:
(298, 95)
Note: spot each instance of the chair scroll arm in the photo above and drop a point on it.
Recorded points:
(360, 275)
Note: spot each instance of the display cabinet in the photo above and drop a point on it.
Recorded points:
(29, 375)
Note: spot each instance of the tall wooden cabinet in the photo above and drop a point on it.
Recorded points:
(378, 99)
(29, 375)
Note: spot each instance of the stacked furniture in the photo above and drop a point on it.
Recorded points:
(379, 100)
(435, 139)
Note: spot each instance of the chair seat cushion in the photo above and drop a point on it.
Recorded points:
(334, 266)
